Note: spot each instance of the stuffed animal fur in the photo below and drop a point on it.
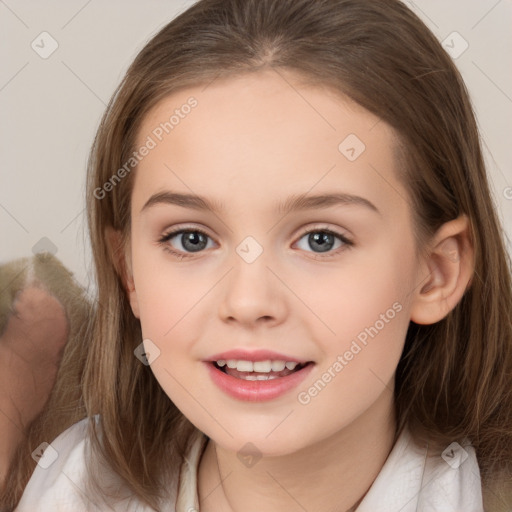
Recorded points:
(43, 310)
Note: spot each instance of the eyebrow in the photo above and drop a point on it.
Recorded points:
(293, 203)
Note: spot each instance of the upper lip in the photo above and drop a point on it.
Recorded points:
(255, 355)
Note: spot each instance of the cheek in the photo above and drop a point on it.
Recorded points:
(371, 290)
(366, 307)
(165, 292)
(372, 300)
(167, 306)
(370, 321)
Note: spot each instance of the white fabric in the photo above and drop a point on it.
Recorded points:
(409, 481)
(60, 487)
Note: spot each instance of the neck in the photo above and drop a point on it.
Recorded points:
(333, 474)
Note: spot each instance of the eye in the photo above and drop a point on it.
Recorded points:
(323, 241)
(190, 240)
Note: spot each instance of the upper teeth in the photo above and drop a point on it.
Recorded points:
(258, 366)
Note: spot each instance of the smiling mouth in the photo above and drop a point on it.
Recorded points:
(260, 375)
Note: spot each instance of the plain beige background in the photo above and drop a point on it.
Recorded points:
(50, 105)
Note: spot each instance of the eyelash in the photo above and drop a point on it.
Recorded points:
(347, 244)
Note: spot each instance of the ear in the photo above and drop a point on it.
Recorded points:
(447, 272)
(121, 259)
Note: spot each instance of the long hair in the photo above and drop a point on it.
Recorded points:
(454, 377)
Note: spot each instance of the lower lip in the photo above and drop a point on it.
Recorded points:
(257, 390)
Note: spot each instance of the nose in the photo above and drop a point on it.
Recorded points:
(252, 294)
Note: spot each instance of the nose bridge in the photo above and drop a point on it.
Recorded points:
(252, 291)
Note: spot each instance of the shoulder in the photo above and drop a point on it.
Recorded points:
(413, 478)
(61, 464)
(453, 478)
(58, 481)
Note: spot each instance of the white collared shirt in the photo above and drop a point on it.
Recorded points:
(409, 481)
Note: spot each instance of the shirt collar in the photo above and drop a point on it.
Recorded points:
(411, 480)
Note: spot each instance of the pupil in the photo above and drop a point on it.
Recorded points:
(324, 241)
(194, 239)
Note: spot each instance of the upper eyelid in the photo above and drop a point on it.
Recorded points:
(176, 231)
(314, 227)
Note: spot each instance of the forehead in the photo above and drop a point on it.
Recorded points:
(263, 133)
(284, 96)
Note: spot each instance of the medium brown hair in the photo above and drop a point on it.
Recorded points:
(454, 378)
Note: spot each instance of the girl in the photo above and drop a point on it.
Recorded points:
(297, 308)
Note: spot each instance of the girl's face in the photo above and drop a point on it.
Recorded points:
(261, 150)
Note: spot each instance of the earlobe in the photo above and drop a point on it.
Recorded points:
(447, 272)
(122, 263)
